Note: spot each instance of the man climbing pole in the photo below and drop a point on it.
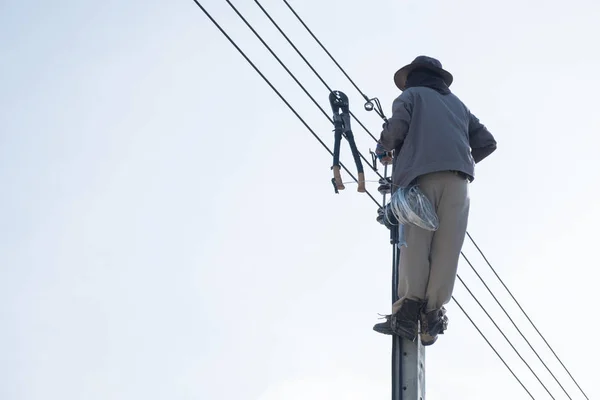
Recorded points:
(436, 142)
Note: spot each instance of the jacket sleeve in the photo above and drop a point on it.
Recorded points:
(395, 129)
(480, 139)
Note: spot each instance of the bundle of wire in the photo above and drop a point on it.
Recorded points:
(411, 207)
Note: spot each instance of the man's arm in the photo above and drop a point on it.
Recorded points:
(480, 139)
(395, 129)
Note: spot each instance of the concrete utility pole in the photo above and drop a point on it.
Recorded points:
(408, 358)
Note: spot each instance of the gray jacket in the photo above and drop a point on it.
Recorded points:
(431, 132)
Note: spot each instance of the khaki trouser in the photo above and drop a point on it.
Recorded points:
(429, 262)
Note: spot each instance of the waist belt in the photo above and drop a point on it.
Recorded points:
(461, 174)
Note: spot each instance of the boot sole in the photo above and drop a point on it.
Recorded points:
(430, 341)
(383, 331)
(405, 334)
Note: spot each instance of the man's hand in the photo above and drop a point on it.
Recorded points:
(385, 157)
(386, 217)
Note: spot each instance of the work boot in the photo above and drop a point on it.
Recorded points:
(404, 323)
(433, 323)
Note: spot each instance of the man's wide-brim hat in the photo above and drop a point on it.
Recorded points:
(421, 62)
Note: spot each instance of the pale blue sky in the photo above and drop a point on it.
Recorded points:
(169, 229)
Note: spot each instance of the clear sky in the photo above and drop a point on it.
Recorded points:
(168, 229)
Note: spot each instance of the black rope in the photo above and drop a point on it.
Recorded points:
(294, 78)
(500, 330)
(513, 322)
(495, 351)
(527, 316)
(277, 92)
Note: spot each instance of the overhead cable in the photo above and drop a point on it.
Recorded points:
(277, 92)
(293, 76)
(526, 316)
(291, 43)
(325, 50)
(493, 348)
(514, 324)
(504, 335)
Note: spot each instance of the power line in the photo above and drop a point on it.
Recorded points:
(500, 330)
(279, 60)
(277, 92)
(291, 43)
(493, 348)
(513, 322)
(527, 316)
(293, 76)
(325, 50)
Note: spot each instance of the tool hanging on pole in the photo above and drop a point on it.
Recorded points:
(341, 122)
